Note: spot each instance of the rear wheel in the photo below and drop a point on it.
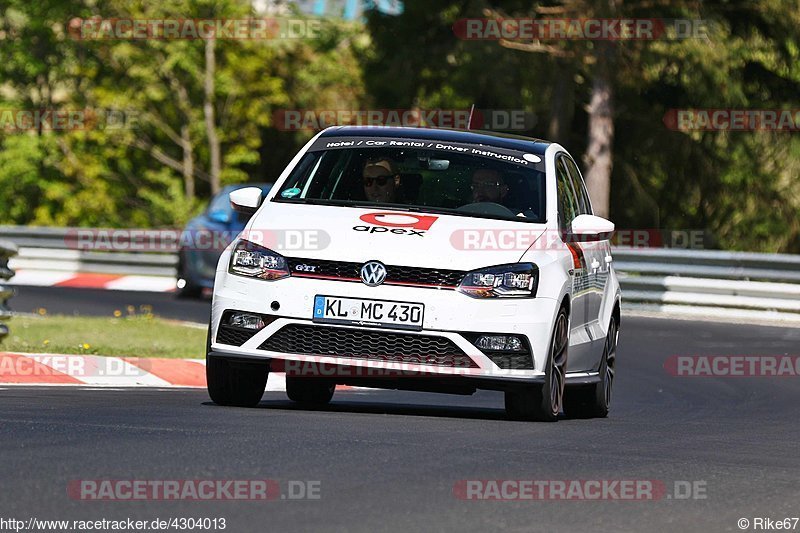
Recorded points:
(543, 402)
(593, 401)
(309, 391)
(235, 382)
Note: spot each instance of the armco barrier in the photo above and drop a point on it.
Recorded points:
(708, 278)
(7, 250)
(697, 278)
(43, 248)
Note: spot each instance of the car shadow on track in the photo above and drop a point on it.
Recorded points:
(401, 409)
(387, 408)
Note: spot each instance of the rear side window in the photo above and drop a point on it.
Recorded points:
(584, 205)
(567, 202)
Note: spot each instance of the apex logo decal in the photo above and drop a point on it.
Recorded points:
(400, 223)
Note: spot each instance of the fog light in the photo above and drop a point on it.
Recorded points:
(500, 343)
(245, 321)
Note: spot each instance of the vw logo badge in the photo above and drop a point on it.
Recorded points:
(373, 273)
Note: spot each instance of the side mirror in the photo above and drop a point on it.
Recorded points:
(246, 200)
(589, 228)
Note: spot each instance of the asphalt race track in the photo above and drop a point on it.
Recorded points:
(389, 461)
(98, 302)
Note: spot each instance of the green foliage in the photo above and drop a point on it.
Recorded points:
(137, 174)
(741, 188)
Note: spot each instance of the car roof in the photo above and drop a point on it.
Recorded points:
(499, 140)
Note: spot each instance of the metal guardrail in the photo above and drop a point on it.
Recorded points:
(698, 278)
(7, 250)
(60, 249)
(708, 264)
(708, 278)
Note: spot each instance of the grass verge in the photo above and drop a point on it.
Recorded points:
(137, 336)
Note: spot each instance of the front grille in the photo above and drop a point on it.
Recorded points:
(372, 345)
(395, 275)
(508, 361)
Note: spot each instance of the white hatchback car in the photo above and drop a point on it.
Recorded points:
(420, 259)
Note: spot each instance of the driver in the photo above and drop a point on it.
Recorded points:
(381, 180)
(488, 186)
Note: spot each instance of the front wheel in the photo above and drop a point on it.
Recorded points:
(234, 382)
(594, 401)
(543, 402)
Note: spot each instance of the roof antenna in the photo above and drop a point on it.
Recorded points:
(471, 110)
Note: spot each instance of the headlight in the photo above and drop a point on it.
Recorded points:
(255, 261)
(518, 280)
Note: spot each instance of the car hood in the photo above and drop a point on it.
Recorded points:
(429, 240)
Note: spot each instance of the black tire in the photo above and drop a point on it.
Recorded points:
(594, 401)
(543, 402)
(235, 382)
(310, 391)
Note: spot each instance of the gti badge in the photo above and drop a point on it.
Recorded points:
(373, 273)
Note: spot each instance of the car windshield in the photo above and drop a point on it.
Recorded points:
(460, 179)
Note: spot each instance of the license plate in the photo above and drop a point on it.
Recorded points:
(364, 312)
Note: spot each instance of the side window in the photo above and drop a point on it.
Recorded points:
(567, 204)
(584, 205)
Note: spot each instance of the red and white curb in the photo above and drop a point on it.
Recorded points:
(101, 371)
(85, 280)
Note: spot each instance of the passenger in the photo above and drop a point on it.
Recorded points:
(488, 186)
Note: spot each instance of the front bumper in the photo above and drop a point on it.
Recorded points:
(449, 315)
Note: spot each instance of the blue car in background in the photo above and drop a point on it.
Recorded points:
(204, 239)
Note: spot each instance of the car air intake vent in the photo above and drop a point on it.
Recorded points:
(508, 361)
(234, 336)
(364, 344)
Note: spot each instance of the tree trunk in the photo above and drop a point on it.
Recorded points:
(561, 103)
(208, 111)
(598, 157)
(188, 163)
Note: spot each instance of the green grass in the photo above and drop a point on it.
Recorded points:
(135, 336)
